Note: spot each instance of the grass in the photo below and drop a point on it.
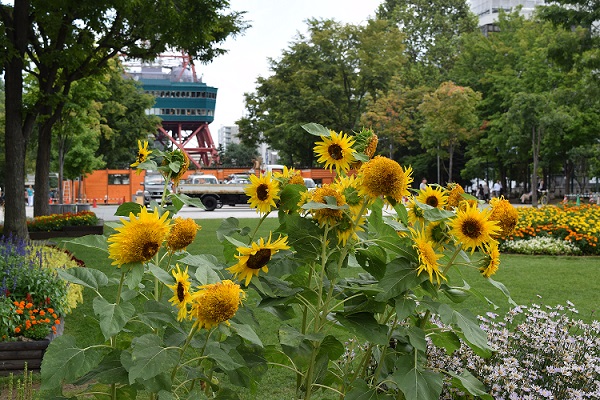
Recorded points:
(555, 279)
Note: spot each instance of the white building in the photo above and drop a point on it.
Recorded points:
(228, 134)
(488, 10)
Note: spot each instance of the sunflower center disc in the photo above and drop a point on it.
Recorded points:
(335, 151)
(471, 229)
(262, 192)
(149, 250)
(260, 259)
(432, 201)
(180, 292)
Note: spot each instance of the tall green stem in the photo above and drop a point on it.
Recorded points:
(262, 219)
(451, 262)
(113, 340)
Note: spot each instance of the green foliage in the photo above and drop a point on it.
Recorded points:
(238, 155)
(324, 76)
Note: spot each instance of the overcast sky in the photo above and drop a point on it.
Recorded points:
(274, 25)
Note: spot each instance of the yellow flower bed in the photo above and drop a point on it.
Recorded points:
(579, 225)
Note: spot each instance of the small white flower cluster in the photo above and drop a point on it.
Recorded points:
(541, 353)
(540, 245)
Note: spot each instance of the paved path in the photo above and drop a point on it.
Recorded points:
(107, 213)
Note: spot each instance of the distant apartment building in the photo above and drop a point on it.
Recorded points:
(228, 134)
(487, 10)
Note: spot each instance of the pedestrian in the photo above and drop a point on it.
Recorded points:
(496, 189)
(30, 196)
(486, 192)
(479, 193)
(423, 184)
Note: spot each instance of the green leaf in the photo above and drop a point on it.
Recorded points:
(399, 277)
(476, 336)
(405, 306)
(127, 208)
(96, 242)
(417, 383)
(332, 347)
(246, 332)
(150, 358)
(108, 371)
(365, 326)
(290, 197)
(205, 267)
(316, 129)
(437, 214)
(373, 259)
(223, 360)
(228, 227)
(503, 289)
(361, 391)
(113, 317)
(134, 276)
(64, 361)
(456, 294)
(88, 277)
(303, 235)
(402, 213)
(160, 274)
(330, 203)
(179, 199)
(447, 340)
(468, 383)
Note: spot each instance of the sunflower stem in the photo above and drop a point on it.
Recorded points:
(165, 188)
(113, 340)
(184, 348)
(451, 262)
(262, 219)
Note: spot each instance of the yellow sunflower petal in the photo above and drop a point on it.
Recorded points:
(253, 259)
(472, 227)
(263, 191)
(216, 303)
(336, 151)
(139, 239)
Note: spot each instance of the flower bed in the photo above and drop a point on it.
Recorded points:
(33, 298)
(579, 225)
(57, 222)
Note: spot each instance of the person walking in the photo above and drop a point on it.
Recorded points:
(486, 192)
(423, 184)
(496, 189)
(30, 196)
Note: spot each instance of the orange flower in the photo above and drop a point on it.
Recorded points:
(50, 310)
(19, 311)
(53, 329)
(42, 313)
(17, 329)
(57, 322)
(54, 315)
(27, 324)
(28, 305)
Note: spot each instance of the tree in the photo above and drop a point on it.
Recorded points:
(124, 118)
(432, 30)
(69, 40)
(238, 155)
(450, 118)
(323, 77)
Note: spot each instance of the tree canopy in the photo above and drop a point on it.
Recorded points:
(62, 42)
(324, 76)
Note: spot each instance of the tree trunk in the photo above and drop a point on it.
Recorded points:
(16, 132)
(450, 159)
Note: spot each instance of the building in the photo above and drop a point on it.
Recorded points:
(186, 106)
(228, 135)
(487, 10)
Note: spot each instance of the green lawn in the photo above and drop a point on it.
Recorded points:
(555, 279)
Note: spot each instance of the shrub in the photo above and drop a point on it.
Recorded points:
(56, 222)
(541, 352)
(32, 296)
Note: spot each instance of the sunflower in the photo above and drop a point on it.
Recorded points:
(491, 260)
(142, 154)
(436, 232)
(505, 214)
(184, 164)
(181, 292)
(415, 213)
(382, 176)
(365, 142)
(348, 186)
(139, 239)
(345, 229)
(253, 259)
(336, 151)
(327, 216)
(289, 176)
(263, 191)
(216, 303)
(183, 233)
(428, 258)
(433, 197)
(455, 192)
(472, 227)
